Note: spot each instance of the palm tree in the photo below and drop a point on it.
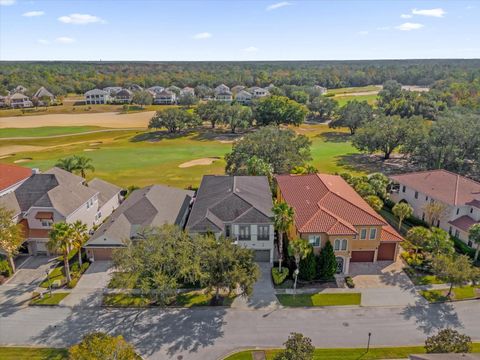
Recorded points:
(474, 236)
(83, 164)
(79, 236)
(298, 248)
(68, 164)
(283, 219)
(60, 239)
(402, 210)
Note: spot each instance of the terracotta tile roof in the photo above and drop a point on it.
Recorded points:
(326, 204)
(12, 174)
(444, 186)
(464, 222)
(390, 234)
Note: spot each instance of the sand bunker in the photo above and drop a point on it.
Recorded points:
(87, 150)
(203, 161)
(95, 143)
(15, 149)
(22, 160)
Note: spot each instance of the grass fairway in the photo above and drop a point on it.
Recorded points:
(32, 353)
(370, 98)
(133, 157)
(353, 90)
(46, 131)
(309, 300)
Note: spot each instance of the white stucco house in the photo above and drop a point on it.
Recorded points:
(97, 96)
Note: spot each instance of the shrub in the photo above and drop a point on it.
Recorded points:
(413, 260)
(297, 347)
(5, 268)
(75, 268)
(279, 277)
(462, 248)
(73, 282)
(84, 267)
(328, 262)
(308, 267)
(349, 282)
(448, 341)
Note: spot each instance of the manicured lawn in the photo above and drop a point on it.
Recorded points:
(46, 131)
(122, 280)
(458, 293)
(355, 89)
(135, 157)
(374, 353)
(302, 300)
(422, 278)
(48, 300)
(188, 299)
(342, 100)
(32, 353)
(55, 275)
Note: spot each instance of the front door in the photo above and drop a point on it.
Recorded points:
(340, 262)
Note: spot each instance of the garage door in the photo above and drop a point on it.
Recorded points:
(386, 251)
(262, 255)
(41, 247)
(102, 254)
(362, 256)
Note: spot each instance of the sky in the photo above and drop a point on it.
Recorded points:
(163, 30)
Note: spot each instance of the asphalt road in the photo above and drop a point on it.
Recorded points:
(211, 333)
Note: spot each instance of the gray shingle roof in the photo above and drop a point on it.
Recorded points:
(153, 205)
(228, 199)
(43, 92)
(106, 191)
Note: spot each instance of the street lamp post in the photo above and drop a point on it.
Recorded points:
(368, 343)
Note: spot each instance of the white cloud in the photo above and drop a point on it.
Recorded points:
(64, 40)
(33, 13)
(80, 19)
(7, 2)
(251, 49)
(437, 12)
(383, 28)
(43, 41)
(406, 16)
(409, 26)
(363, 33)
(278, 5)
(202, 35)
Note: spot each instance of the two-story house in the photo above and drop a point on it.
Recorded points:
(123, 96)
(97, 96)
(259, 92)
(43, 97)
(328, 209)
(187, 91)
(236, 207)
(221, 88)
(58, 196)
(243, 97)
(165, 97)
(153, 205)
(225, 96)
(460, 198)
(20, 101)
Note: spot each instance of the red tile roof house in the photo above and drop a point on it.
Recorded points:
(327, 208)
(460, 195)
(12, 176)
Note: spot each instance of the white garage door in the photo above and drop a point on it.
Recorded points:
(41, 247)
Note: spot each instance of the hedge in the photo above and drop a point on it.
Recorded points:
(279, 277)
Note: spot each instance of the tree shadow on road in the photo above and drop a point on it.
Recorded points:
(168, 332)
(432, 317)
(13, 299)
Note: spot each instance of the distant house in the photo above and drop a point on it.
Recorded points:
(112, 90)
(42, 94)
(153, 205)
(321, 89)
(124, 96)
(328, 209)
(225, 96)
(243, 97)
(259, 92)
(236, 207)
(12, 176)
(174, 89)
(222, 88)
(97, 96)
(165, 97)
(56, 196)
(20, 101)
(155, 89)
(19, 89)
(187, 91)
(135, 87)
(237, 88)
(459, 195)
(3, 101)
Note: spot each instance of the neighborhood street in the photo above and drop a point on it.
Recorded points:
(211, 333)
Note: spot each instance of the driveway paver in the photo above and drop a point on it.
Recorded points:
(263, 296)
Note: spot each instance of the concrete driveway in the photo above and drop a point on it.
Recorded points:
(263, 296)
(384, 283)
(89, 289)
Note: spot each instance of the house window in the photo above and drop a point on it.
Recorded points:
(314, 240)
(363, 234)
(426, 198)
(457, 233)
(423, 216)
(228, 230)
(416, 194)
(340, 244)
(46, 223)
(438, 223)
(471, 210)
(450, 230)
(458, 210)
(373, 233)
(263, 232)
(404, 188)
(244, 232)
(470, 243)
